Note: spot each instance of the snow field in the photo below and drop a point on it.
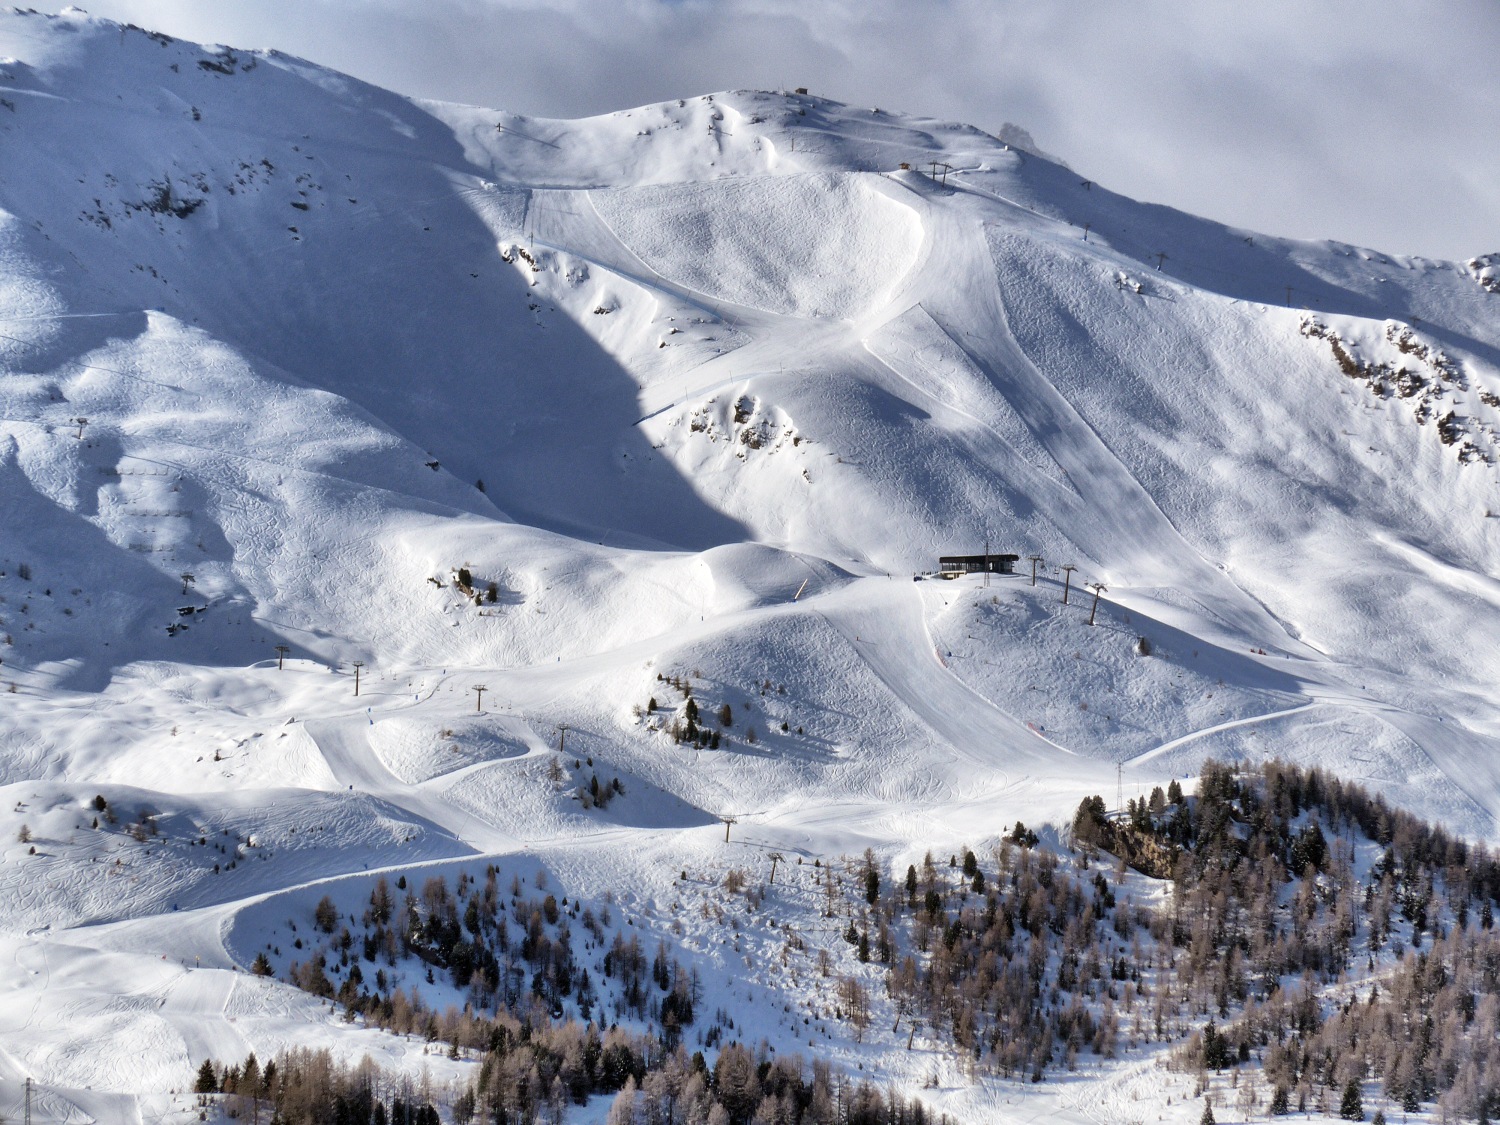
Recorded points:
(155, 855)
(745, 380)
(764, 242)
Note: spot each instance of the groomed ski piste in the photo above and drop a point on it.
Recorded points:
(699, 390)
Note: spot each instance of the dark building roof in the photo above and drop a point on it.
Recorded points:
(993, 562)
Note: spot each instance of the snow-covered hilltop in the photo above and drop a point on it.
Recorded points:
(300, 379)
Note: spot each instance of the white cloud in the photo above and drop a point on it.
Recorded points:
(1371, 121)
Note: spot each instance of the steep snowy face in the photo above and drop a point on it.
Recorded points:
(282, 352)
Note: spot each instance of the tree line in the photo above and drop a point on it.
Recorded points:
(1037, 958)
(535, 1019)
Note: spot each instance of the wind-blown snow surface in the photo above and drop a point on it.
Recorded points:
(699, 387)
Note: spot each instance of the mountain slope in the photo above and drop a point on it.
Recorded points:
(698, 387)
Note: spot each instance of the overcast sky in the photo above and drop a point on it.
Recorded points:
(1369, 121)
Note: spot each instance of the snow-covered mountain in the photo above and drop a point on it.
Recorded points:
(296, 370)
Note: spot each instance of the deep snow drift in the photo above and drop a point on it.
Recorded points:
(699, 388)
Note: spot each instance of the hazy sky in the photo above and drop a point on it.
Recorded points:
(1369, 121)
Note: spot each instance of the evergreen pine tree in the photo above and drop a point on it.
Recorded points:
(1208, 1115)
(1352, 1108)
(250, 1077)
(1215, 1050)
(208, 1081)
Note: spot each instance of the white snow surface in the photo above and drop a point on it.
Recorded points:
(730, 377)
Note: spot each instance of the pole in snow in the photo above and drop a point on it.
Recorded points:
(728, 820)
(562, 736)
(281, 651)
(1067, 581)
(1098, 588)
(479, 690)
(1033, 559)
(358, 664)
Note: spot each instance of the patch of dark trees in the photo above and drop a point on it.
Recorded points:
(533, 1079)
(1425, 1032)
(510, 955)
(535, 1059)
(306, 1087)
(1271, 874)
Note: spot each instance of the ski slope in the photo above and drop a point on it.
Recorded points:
(701, 388)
